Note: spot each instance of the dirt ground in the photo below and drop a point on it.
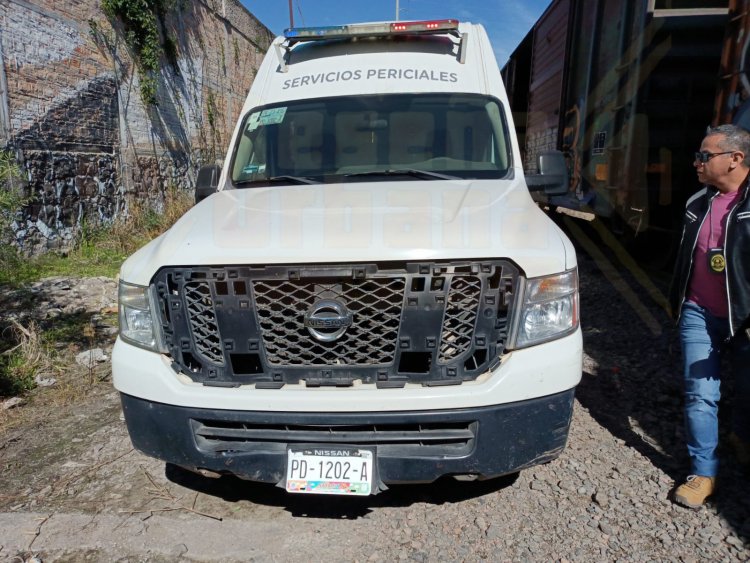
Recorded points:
(73, 489)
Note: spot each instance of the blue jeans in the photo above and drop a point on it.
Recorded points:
(702, 336)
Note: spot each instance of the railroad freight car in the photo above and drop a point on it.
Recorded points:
(626, 90)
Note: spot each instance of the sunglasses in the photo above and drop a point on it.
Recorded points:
(703, 157)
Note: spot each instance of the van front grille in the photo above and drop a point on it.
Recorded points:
(375, 305)
(436, 438)
(460, 317)
(203, 325)
(434, 323)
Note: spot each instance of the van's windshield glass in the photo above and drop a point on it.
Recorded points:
(371, 138)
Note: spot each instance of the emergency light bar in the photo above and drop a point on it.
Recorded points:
(294, 34)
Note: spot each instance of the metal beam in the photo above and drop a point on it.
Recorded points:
(680, 12)
(4, 106)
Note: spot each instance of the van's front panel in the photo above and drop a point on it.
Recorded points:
(371, 286)
(407, 446)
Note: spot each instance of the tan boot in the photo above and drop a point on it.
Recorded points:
(694, 491)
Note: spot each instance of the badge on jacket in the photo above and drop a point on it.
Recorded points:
(716, 261)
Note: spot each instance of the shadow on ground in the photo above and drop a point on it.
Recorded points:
(233, 489)
(632, 374)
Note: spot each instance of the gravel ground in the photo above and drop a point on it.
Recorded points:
(87, 496)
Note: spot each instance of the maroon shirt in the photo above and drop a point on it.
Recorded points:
(708, 288)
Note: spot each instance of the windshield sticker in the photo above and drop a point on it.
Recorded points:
(272, 116)
(252, 122)
(370, 74)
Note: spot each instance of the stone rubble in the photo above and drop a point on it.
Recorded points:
(606, 498)
(89, 358)
(42, 380)
(52, 297)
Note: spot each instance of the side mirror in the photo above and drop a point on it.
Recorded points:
(553, 174)
(207, 181)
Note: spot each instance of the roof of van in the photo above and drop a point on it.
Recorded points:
(459, 59)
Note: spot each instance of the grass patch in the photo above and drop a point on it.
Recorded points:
(44, 349)
(18, 270)
(70, 329)
(27, 357)
(98, 250)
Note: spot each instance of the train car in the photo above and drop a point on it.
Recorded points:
(733, 98)
(626, 91)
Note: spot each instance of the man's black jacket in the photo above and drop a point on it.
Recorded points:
(737, 254)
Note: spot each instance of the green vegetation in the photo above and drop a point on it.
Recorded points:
(11, 189)
(99, 250)
(211, 110)
(141, 21)
(30, 349)
(11, 200)
(21, 362)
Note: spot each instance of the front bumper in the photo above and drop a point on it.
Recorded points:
(537, 371)
(410, 447)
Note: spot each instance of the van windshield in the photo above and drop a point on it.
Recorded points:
(371, 138)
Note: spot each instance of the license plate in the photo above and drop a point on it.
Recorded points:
(329, 471)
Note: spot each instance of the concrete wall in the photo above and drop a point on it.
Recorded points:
(70, 107)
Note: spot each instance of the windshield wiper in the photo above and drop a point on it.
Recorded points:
(298, 179)
(275, 179)
(405, 172)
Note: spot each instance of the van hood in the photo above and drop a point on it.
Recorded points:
(361, 223)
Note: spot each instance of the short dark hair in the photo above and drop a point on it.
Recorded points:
(735, 139)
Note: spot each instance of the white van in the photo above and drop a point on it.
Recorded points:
(371, 295)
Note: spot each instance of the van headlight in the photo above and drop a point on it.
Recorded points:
(549, 308)
(137, 316)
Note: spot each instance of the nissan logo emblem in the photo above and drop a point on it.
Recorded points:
(327, 320)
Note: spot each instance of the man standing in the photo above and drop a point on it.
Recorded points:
(710, 296)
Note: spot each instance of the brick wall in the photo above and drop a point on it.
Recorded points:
(538, 142)
(87, 142)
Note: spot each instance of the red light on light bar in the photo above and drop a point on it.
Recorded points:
(429, 25)
(375, 29)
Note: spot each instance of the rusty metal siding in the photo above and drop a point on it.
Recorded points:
(733, 92)
(547, 73)
(516, 76)
(626, 95)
